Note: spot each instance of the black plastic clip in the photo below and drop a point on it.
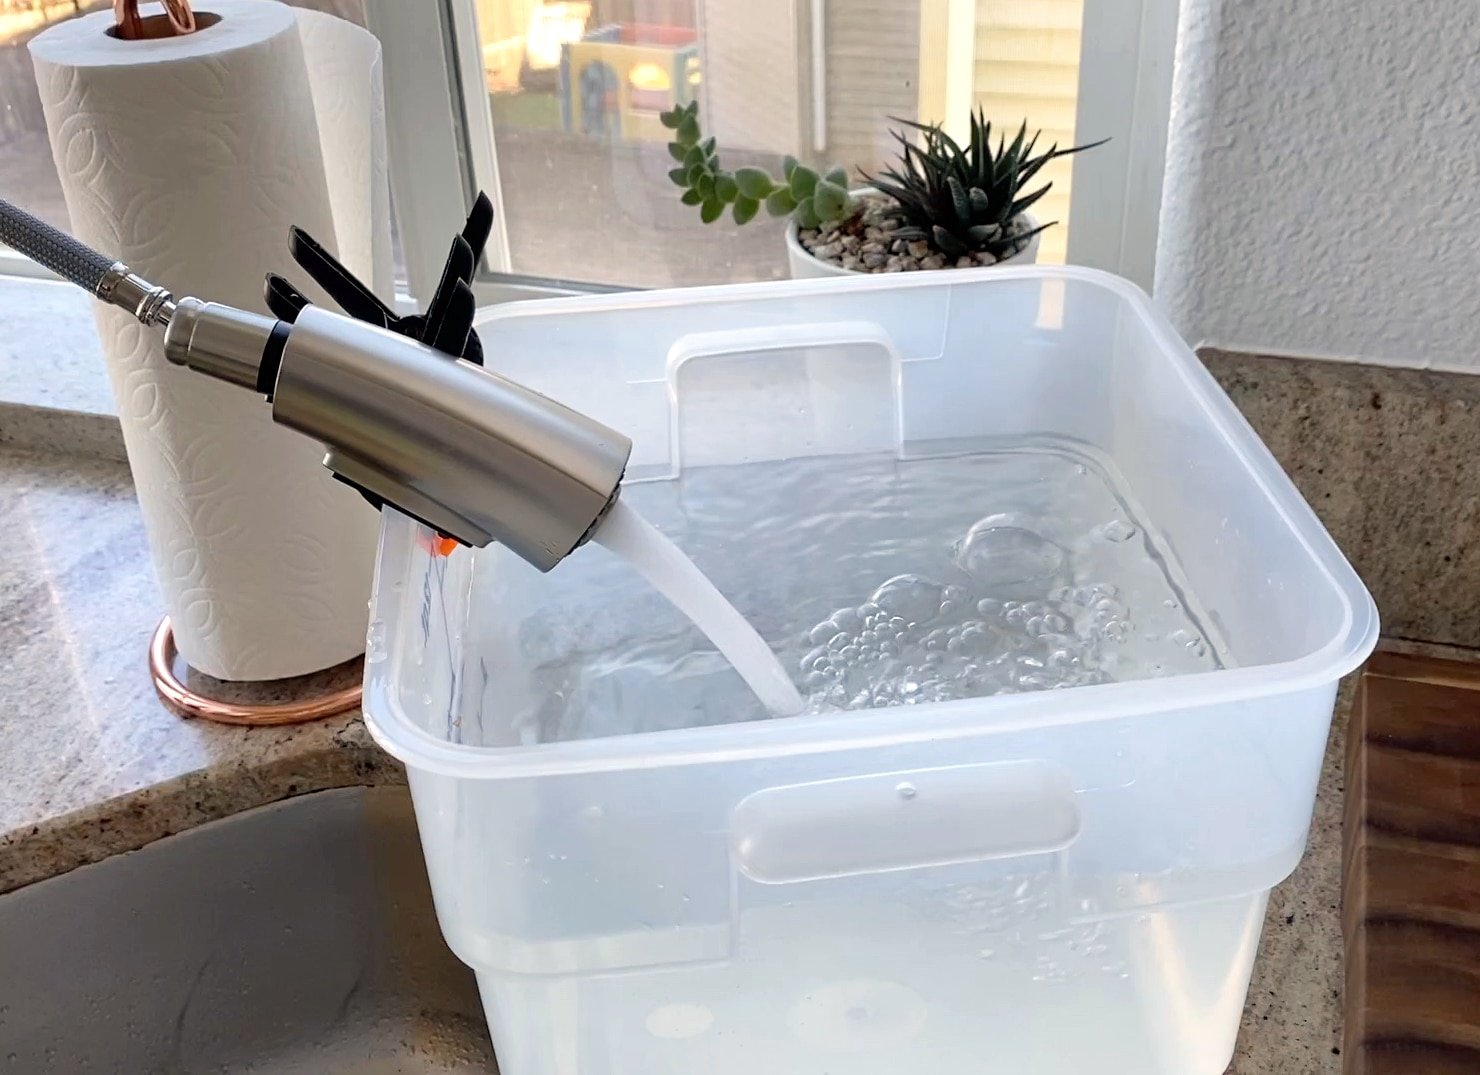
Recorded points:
(447, 325)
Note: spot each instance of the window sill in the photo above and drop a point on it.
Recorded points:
(54, 390)
(49, 351)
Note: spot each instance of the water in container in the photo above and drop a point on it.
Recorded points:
(877, 581)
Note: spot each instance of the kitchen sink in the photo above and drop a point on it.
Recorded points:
(296, 938)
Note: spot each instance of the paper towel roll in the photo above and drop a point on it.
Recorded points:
(349, 103)
(188, 158)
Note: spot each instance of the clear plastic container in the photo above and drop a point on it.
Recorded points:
(1069, 881)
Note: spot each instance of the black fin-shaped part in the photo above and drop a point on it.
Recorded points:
(456, 322)
(473, 348)
(342, 286)
(479, 226)
(458, 270)
(284, 300)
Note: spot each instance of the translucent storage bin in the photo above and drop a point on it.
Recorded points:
(1066, 881)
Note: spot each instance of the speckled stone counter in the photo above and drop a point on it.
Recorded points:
(1386, 459)
(92, 765)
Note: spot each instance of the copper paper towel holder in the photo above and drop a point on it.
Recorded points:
(184, 702)
(129, 25)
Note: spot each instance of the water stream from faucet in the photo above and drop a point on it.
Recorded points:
(627, 534)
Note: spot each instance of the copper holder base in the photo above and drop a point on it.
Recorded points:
(184, 702)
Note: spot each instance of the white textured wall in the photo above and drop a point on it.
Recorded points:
(1323, 179)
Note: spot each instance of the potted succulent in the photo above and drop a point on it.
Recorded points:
(942, 205)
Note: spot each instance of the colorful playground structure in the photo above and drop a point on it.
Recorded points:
(617, 78)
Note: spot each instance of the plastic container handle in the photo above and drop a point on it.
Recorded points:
(904, 821)
(763, 338)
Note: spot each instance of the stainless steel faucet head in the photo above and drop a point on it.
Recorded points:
(473, 454)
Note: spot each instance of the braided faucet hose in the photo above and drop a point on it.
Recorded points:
(58, 251)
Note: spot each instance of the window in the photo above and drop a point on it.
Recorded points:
(552, 107)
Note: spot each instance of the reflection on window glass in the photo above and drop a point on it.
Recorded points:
(1027, 67)
(575, 88)
(28, 176)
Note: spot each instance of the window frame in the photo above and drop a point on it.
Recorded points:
(1126, 59)
(434, 170)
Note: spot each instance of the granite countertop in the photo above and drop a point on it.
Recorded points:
(93, 765)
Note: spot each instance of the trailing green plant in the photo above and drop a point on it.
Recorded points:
(810, 198)
(962, 199)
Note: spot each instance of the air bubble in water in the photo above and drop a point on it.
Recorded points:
(910, 597)
(1116, 530)
(997, 554)
(954, 599)
(1189, 641)
(907, 791)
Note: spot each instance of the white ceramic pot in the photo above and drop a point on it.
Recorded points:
(806, 267)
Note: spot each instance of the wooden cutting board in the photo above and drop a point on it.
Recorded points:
(1411, 861)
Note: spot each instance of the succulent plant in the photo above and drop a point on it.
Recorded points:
(962, 199)
(801, 192)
